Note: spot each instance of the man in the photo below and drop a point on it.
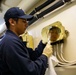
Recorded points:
(54, 33)
(15, 59)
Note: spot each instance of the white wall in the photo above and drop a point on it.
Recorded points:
(67, 16)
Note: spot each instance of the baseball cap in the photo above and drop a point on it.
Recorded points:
(16, 12)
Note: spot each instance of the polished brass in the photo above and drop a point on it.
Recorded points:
(63, 34)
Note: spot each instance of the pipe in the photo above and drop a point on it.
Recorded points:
(50, 9)
(41, 6)
(58, 4)
(33, 20)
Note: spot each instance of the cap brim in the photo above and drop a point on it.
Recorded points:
(27, 17)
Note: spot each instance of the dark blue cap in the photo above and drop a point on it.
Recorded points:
(15, 12)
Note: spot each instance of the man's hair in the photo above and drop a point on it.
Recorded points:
(54, 27)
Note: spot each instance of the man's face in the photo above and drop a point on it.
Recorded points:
(21, 26)
(54, 34)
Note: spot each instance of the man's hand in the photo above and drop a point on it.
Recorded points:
(48, 50)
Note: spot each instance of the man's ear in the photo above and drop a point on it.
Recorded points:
(12, 22)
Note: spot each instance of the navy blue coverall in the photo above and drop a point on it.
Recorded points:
(17, 59)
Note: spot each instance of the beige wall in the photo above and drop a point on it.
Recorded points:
(67, 16)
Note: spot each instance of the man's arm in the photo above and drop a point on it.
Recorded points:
(19, 62)
(34, 54)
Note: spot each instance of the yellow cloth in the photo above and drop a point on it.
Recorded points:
(29, 39)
